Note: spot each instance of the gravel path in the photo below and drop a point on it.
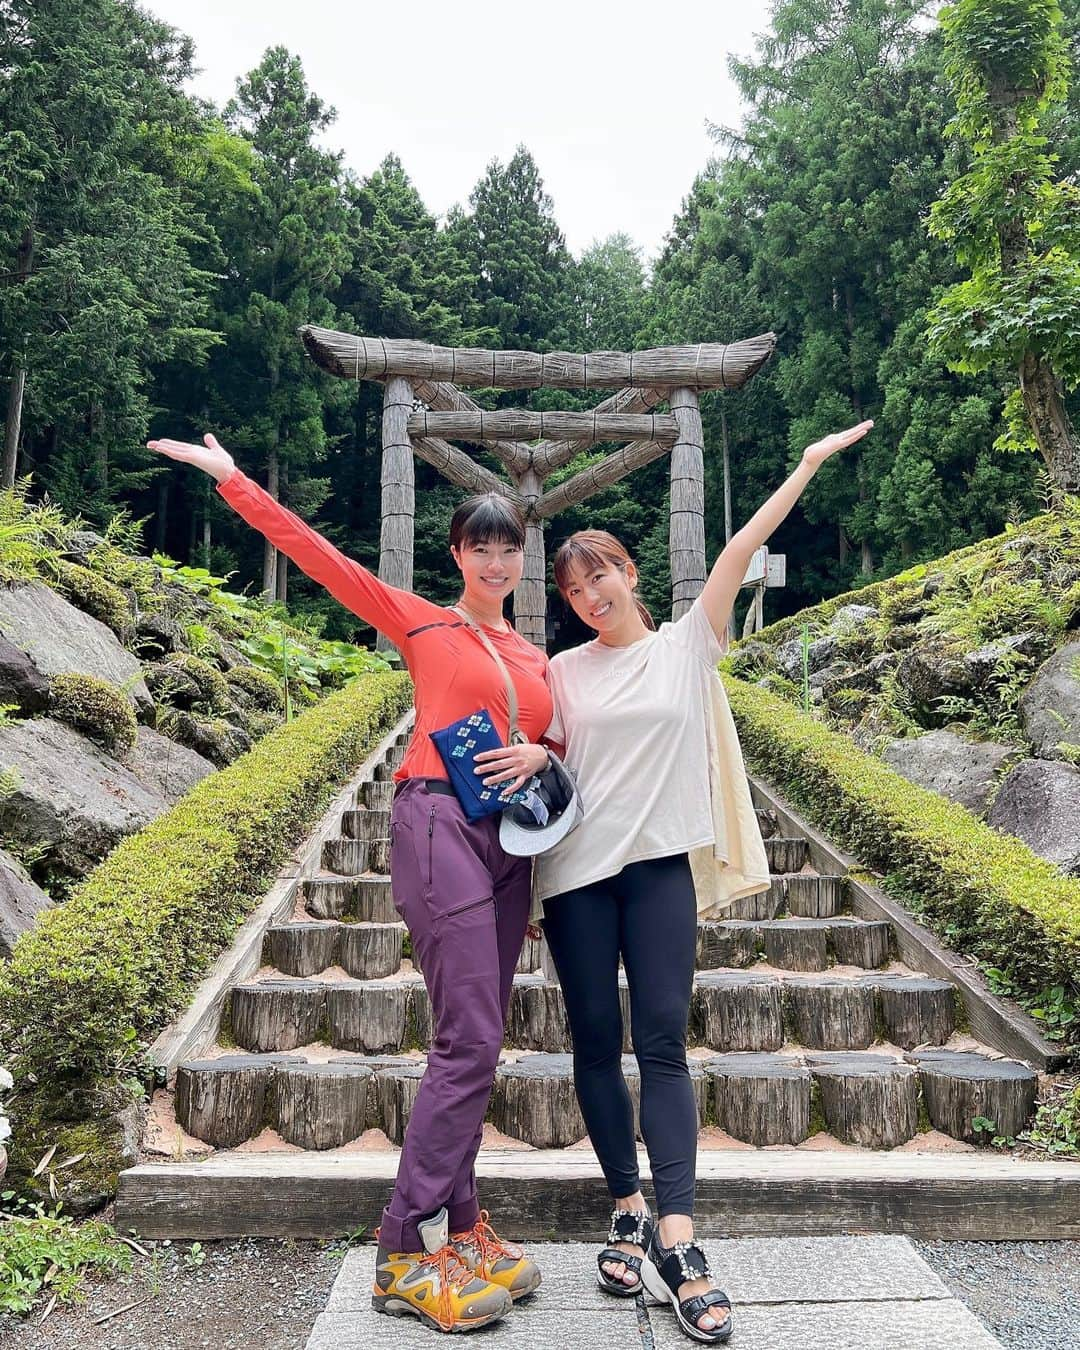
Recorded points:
(248, 1294)
(1027, 1293)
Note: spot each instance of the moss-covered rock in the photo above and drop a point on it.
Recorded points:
(94, 594)
(96, 708)
(213, 737)
(257, 688)
(187, 682)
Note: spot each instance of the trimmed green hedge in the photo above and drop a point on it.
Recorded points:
(107, 969)
(986, 894)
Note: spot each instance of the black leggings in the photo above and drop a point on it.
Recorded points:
(647, 914)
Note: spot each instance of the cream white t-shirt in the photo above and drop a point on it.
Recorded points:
(635, 724)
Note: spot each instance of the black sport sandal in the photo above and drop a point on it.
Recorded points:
(627, 1225)
(664, 1269)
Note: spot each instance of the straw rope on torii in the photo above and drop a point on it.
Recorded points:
(532, 445)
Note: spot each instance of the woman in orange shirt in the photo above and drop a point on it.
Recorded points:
(465, 900)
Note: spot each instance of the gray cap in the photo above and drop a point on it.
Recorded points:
(520, 833)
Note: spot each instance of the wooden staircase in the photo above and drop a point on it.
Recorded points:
(806, 1034)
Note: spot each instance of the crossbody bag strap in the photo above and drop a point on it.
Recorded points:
(517, 736)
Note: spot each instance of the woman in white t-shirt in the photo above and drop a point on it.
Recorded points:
(669, 835)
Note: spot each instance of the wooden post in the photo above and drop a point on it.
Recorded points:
(686, 544)
(530, 598)
(398, 490)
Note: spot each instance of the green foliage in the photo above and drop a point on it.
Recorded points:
(95, 707)
(91, 592)
(987, 894)
(1011, 222)
(1056, 1128)
(104, 971)
(48, 1253)
(33, 536)
(213, 691)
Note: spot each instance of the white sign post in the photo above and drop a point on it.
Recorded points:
(766, 571)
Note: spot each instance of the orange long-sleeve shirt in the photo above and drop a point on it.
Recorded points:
(452, 673)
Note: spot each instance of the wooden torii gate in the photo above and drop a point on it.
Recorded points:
(424, 410)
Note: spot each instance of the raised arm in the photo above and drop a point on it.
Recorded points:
(392, 611)
(725, 579)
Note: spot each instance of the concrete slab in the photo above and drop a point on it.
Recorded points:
(871, 1293)
(944, 1324)
(751, 1270)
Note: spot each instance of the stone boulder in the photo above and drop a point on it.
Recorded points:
(900, 638)
(867, 677)
(165, 766)
(983, 662)
(931, 671)
(819, 654)
(1050, 705)
(73, 800)
(58, 637)
(850, 617)
(20, 902)
(1039, 802)
(964, 771)
(21, 682)
(219, 741)
(158, 635)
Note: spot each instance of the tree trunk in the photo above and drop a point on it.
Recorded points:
(398, 490)
(206, 540)
(281, 588)
(16, 393)
(686, 544)
(1055, 434)
(162, 512)
(530, 598)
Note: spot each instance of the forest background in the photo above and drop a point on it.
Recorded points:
(158, 253)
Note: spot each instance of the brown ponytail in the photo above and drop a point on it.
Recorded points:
(589, 549)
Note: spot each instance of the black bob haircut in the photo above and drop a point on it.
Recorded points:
(487, 519)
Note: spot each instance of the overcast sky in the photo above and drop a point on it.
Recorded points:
(612, 99)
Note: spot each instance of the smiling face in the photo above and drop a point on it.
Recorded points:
(601, 593)
(490, 569)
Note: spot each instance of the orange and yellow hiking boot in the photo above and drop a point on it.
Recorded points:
(435, 1284)
(489, 1258)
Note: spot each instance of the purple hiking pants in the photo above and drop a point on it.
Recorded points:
(466, 904)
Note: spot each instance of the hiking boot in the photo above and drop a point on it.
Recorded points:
(489, 1258)
(435, 1285)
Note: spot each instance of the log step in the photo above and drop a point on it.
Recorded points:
(350, 857)
(729, 1011)
(962, 1087)
(766, 822)
(804, 895)
(869, 1100)
(786, 855)
(761, 1099)
(534, 1100)
(793, 944)
(313, 1105)
(377, 796)
(361, 823)
(916, 1010)
(368, 951)
(367, 898)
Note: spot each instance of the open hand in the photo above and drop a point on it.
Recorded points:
(815, 455)
(511, 762)
(211, 457)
